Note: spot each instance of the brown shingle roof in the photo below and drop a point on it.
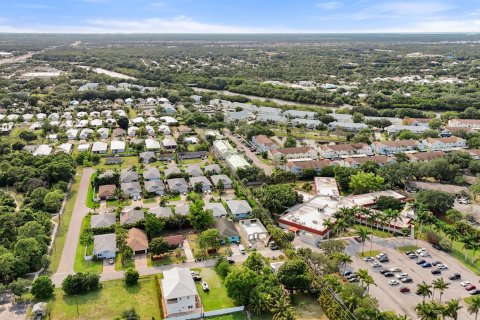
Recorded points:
(314, 164)
(137, 239)
(106, 190)
(174, 241)
(444, 140)
(292, 150)
(345, 147)
(263, 139)
(397, 143)
(426, 156)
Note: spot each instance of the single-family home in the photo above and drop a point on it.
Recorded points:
(182, 209)
(96, 123)
(191, 140)
(306, 153)
(212, 169)
(65, 147)
(395, 128)
(102, 220)
(147, 157)
(179, 185)
(227, 229)
(105, 246)
(161, 212)
(347, 126)
(218, 210)
(174, 241)
(345, 150)
(206, 184)
(164, 129)
(113, 160)
(84, 147)
(263, 143)
(151, 174)
(128, 176)
(152, 144)
(106, 192)
(444, 144)
(425, 156)
(118, 132)
(464, 123)
(72, 134)
(356, 162)
(418, 122)
(179, 292)
(103, 133)
(117, 146)
(138, 120)
(81, 124)
(169, 143)
(85, 133)
(168, 120)
(253, 229)
(132, 216)
(193, 171)
(155, 186)
(239, 208)
(227, 182)
(43, 150)
(192, 155)
(132, 131)
(99, 147)
(172, 171)
(131, 189)
(137, 241)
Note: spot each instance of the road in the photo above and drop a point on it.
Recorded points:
(256, 161)
(80, 210)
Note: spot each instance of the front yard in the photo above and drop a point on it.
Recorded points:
(82, 265)
(109, 302)
(216, 298)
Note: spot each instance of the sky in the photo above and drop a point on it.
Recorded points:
(239, 16)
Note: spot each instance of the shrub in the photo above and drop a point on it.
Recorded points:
(131, 276)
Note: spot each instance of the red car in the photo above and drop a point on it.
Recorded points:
(470, 287)
(404, 289)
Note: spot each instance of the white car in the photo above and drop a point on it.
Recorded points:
(376, 265)
(368, 259)
(381, 255)
(421, 250)
(465, 283)
(393, 282)
(402, 275)
(395, 269)
(441, 266)
(424, 254)
(205, 286)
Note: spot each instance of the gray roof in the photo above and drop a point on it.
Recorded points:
(238, 206)
(146, 156)
(154, 186)
(299, 114)
(206, 183)
(127, 176)
(177, 183)
(182, 209)
(172, 170)
(161, 212)
(215, 168)
(217, 208)
(194, 170)
(132, 216)
(151, 173)
(218, 177)
(102, 220)
(131, 187)
(104, 242)
(226, 227)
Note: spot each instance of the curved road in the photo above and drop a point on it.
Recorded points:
(80, 210)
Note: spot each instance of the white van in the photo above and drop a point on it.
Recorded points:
(241, 248)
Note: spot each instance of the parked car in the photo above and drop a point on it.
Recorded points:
(441, 266)
(384, 259)
(111, 261)
(402, 275)
(406, 280)
(353, 279)
(381, 255)
(404, 289)
(470, 287)
(474, 292)
(424, 254)
(435, 262)
(388, 274)
(436, 272)
(368, 259)
(409, 253)
(353, 275)
(383, 271)
(465, 283)
(426, 265)
(396, 269)
(455, 276)
(230, 260)
(376, 265)
(436, 246)
(393, 282)
(413, 256)
(205, 286)
(347, 273)
(419, 262)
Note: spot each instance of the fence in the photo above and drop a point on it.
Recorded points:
(199, 315)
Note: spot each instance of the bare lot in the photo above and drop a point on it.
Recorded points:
(390, 297)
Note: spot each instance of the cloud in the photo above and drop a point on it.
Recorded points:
(400, 10)
(329, 5)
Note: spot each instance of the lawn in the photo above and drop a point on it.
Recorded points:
(128, 263)
(82, 265)
(307, 307)
(407, 248)
(378, 233)
(231, 316)
(372, 253)
(109, 302)
(193, 241)
(216, 298)
(89, 201)
(126, 163)
(64, 223)
(190, 161)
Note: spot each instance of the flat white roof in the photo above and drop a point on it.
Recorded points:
(253, 226)
(325, 186)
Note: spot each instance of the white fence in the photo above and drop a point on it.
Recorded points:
(208, 313)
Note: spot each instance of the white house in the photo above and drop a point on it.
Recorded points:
(444, 144)
(347, 126)
(345, 150)
(152, 144)
(307, 153)
(85, 133)
(72, 134)
(103, 133)
(117, 146)
(83, 147)
(43, 150)
(96, 123)
(393, 129)
(99, 147)
(105, 246)
(132, 131)
(179, 292)
(464, 123)
(82, 124)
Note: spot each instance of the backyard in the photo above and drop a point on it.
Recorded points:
(109, 302)
(216, 298)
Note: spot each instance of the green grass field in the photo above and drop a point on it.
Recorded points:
(82, 265)
(372, 253)
(231, 316)
(64, 223)
(307, 307)
(89, 201)
(216, 298)
(407, 248)
(109, 302)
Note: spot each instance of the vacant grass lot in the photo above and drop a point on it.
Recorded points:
(216, 298)
(231, 316)
(307, 308)
(109, 302)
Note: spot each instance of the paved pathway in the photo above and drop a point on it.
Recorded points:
(188, 251)
(80, 210)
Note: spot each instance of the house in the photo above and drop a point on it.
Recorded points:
(299, 114)
(81, 124)
(132, 216)
(152, 145)
(474, 153)
(151, 174)
(161, 212)
(103, 220)
(96, 123)
(174, 241)
(392, 147)
(106, 192)
(65, 147)
(343, 118)
(43, 150)
(394, 129)
(172, 171)
(117, 146)
(182, 209)
(227, 229)
(306, 153)
(132, 131)
(253, 229)
(206, 184)
(72, 134)
(184, 129)
(356, 162)
(299, 166)
(192, 155)
(129, 176)
(345, 150)
(179, 292)
(169, 143)
(113, 160)
(425, 156)
(155, 186)
(164, 129)
(103, 133)
(227, 182)
(444, 144)
(239, 208)
(99, 147)
(131, 189)
(417, 122)
(85, 133)
(179, 185)
(464, 123)
(263, 143)
(168, 120)
(147, 157)
(137, 241)
(218, 210)
(193, 171)
(346, 126)
(105, 246)
(222, 149)
(84, 147)
(118, 132)
(236, 161)
(191, 140)
(212, 169)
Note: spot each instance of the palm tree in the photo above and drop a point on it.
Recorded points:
(282, 310)
(451, 309)
(344, 259)
(475, 246)
(426, 311)
(362, 234)
(474, 306)
(369, 281)
(453, 234)
(391, 215)
(362, 275)
(441, 285)
(260, 302)
(405, 232)
(329, 224)
(423, 289)
(351, 302)
(467, 244)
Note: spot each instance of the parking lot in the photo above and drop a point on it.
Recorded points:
(390, 297)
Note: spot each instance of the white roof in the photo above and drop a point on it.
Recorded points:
(43, 150)
(83, 147)
(99, 146)
(66, 147)
(178, 283)
(168, 119)
(152, 144)
(117, 145)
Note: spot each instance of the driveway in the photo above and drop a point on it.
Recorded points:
(80, 210)
(11, 310)
(188, 251)
(107, 267)
(140, 261)
(256, 161)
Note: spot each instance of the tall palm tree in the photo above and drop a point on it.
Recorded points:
(474, 306)
(368, 282)
(426, 311)
(441, 285)
(405, 232)
(453, 234)
(424, 289)
(467, 244)
(282, 309)
(362, 275)
(363, 234)
(451, 309)
(344, 259)
(391, 215)
(329, 224)
(475, 246)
